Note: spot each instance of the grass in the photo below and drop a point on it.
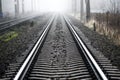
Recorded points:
(8, 36)
(110, 32)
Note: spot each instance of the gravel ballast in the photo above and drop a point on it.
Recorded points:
(100, 43)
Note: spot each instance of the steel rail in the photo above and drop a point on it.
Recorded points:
(26, 65)
(100, 75)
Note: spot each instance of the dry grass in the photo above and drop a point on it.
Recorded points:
(110, 31)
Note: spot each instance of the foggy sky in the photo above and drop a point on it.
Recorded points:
(44, 5)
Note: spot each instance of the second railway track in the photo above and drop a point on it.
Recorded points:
(8, 24)
(59, 54)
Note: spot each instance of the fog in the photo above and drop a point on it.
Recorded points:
(64, 5)
(51, 5)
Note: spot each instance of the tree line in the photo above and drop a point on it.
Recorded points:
(111, 13)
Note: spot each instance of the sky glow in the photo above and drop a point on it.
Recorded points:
(53, 5)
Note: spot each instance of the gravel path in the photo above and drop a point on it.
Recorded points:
(11, 51)
(100, 43)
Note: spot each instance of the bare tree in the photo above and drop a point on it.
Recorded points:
(111, 13)
(87, 10)
(114, 9)
(82, 9)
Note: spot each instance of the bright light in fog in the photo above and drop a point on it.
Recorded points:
(53, 5)
(56, 5)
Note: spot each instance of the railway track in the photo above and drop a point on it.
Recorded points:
(7, 24)
(60, 54)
